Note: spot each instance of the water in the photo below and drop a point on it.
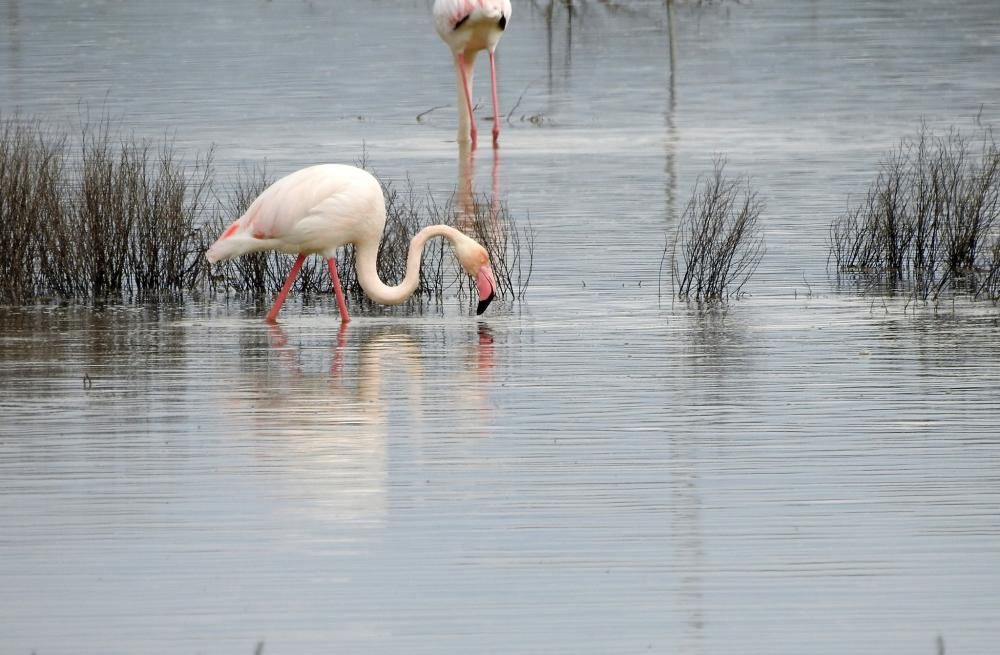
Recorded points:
(591, 470)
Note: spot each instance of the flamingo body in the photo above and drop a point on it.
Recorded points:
(471, 25)
(318, 209)
(467, 27)
(314, 210)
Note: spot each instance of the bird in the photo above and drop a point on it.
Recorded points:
(468, 26)
(316, 210)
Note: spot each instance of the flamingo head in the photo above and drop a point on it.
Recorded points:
(476, 262)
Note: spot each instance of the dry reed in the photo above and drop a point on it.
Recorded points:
(110, 217)
(928, 219)
(717, 245)
(30, 174)
(989, 287)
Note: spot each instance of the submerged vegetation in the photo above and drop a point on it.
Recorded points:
(717, 244)
(109, 216)
(929, 220)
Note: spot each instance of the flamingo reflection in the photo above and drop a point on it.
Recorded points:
(326, 411)
(466, 190)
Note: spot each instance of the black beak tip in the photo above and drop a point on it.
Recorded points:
(483, 304)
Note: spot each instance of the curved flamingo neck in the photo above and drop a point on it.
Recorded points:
(367, 266)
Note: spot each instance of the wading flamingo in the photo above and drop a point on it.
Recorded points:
(318, 209)
(468, 26)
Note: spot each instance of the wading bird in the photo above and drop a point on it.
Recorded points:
(468, 26)
(318, 209)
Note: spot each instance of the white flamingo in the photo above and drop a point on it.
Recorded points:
(318, 209)
(468, 26)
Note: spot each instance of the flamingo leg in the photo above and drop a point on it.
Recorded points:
(272, 316)
(460, 62)
(496, 104)
(341, 303)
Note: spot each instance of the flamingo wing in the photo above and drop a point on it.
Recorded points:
(280, 207)
(313, 210)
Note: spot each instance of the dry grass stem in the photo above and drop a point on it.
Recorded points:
(717, 245)
(928, 222)
(108, 216)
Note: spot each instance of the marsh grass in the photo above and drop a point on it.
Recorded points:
(106, 216)
(928, 221)
(30, 199)
(717, 245)
(989, 287)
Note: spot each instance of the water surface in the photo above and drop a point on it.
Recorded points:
(591, 470)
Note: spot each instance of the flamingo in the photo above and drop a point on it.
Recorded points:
(468, 26)
(316, 210)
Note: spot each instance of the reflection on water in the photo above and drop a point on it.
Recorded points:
(589, 471)
(382, 482)
(466, 194)
(337, 416)
(689, 478)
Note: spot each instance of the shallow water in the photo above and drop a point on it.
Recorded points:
(591, 470)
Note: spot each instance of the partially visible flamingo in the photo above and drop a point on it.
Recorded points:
(468, 26)
(318, 209)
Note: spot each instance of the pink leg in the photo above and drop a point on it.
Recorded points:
(468, 96)
(341, 303)
(496, 104)
(272, 315)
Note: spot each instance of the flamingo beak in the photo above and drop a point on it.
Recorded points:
(487, 288)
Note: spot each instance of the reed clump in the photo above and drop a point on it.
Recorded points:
(990, 285)
(106, 216)
(928, 221)
(31, 161)
(718, 244)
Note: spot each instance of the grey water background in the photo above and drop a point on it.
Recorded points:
(591, 470)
